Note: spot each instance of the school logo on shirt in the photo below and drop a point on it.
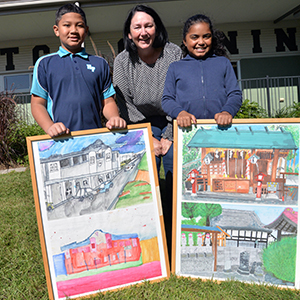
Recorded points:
(90, 67)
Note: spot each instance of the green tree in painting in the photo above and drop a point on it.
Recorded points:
(204, 210)
(280, 258)
(210, 210)
(189, 154)
(192, 211)
(294, 130)
(291, 165)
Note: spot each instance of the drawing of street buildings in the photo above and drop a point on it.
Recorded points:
(87, 180)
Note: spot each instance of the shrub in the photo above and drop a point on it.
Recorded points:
(292, 111)
(251, 110)
(13, 132)
(8, 120)
(18, 140)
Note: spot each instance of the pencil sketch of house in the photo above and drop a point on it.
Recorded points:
(88, 180)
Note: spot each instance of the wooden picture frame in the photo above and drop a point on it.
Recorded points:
(235, 201)
(98, 209)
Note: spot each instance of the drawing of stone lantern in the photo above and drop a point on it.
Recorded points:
(193, 179)
(259, 178)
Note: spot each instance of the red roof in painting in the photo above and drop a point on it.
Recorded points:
(291, 214)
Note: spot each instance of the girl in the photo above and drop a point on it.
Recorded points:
(203, 84)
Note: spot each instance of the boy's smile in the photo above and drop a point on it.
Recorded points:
(71, 31)
(198, 40)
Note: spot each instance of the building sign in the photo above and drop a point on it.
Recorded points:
(285, 40)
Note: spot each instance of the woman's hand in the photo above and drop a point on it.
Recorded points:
(223, 118)
(185, 119)
(157, 147)
(165, 145)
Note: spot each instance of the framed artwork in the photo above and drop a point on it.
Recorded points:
(98, 209)
(235, 213)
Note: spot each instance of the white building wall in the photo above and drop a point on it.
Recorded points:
(23, 61)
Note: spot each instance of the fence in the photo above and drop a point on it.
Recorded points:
(23, 104)
(272, 93)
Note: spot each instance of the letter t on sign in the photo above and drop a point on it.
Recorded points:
(9, 57)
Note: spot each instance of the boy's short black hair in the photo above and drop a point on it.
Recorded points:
(69, 8)
(161, 33)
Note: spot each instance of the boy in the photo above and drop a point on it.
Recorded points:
(71, 87)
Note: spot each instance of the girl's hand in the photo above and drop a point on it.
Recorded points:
(116, 123)
(57, 129)
(185, 119)
(157, 147)
(165, 145)
(223, 118)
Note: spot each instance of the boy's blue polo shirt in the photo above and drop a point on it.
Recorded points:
(73, 86)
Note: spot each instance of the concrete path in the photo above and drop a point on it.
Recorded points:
(21, 169)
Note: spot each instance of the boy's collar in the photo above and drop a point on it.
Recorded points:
(63, 52)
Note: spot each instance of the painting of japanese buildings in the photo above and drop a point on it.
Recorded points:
(98, 212)
(245, 163)
(241, 242)
(236, 202)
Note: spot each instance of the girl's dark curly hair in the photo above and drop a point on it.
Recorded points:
(218, 47)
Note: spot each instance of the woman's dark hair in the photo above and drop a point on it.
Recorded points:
(161, 33)
(69, 8)
(218, 47)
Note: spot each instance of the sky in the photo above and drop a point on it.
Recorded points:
(132, 141)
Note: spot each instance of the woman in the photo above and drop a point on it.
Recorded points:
(138, 76)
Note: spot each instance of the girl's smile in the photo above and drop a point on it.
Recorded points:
(198, 40)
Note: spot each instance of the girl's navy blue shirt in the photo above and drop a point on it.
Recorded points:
(202, 87)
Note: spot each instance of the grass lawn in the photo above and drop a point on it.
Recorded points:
(22, 272)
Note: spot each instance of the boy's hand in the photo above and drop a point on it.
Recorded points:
(57, 129)
(116, 122)
(185, 119)
(223, 118)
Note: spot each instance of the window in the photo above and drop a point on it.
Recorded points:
(92, 160)
(64, 163)
(53, 167)
(76, 160)
(17, 83)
